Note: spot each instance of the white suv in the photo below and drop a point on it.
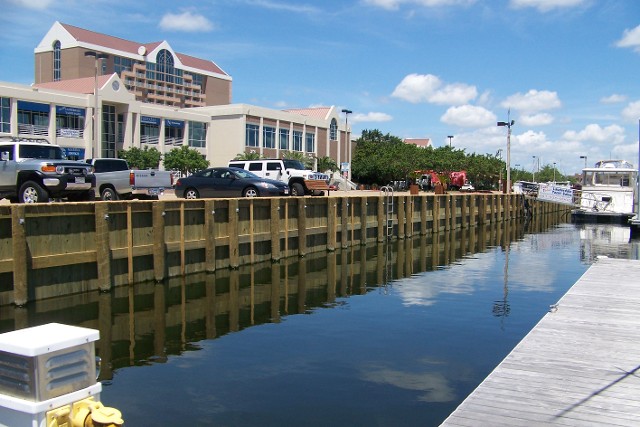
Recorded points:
(301, 181)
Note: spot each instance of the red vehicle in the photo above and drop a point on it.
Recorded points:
(429, 179)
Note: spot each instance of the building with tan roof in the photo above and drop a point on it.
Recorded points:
(153, 72)
(99, 114)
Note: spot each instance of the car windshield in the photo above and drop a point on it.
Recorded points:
(41, 152)
(293, 164)
(244, 173)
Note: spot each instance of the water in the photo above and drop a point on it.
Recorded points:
(405, 333)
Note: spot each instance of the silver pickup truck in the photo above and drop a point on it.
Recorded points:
(36, 171)
(115, 180)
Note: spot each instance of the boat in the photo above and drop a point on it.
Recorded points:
(608, 193)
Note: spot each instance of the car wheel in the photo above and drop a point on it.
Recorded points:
(32, 192)
(109, 194)
(250, 192)
(297, 189)
(191, 193)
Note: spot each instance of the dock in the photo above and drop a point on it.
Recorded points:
(579, 366)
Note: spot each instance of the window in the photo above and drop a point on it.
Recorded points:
(149, 130)
(310, 140)
(33, 118)
(284, 139)
(252, 136)
(70, 121)
(297, 140)
(57, 62)
(165, 70)
(107, 144)
(197, 134)
(255, 166)
(269, 137)
(5, 115)
(121, 64)
(173, 132)
(333, 130)
(274, 166)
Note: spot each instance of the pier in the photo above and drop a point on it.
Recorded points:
(579, 366)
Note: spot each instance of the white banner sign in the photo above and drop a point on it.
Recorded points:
(555, 194)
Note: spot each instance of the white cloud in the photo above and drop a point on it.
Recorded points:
(631, 112)
(613, 134)
(417, 88)
(395, 4)
(371, 117)
(533, 101)
(288, 7)
(630, 38)
(540, 119)
(545, 5)
(468, 116)
(185, 21)
(33, 4)
(613, 99)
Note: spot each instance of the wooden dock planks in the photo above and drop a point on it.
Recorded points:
(579, 366)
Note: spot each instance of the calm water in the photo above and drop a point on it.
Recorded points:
(388, 335)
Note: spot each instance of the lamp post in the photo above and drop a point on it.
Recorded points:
(98, 57)
(450, 138)
(534, 168)
(508, 124)
(346, 137)
(585, 161)
(554, 172)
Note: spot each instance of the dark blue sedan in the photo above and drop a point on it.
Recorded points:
(228, 182)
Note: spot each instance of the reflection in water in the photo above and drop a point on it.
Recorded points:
(423, 337)
(147, 322)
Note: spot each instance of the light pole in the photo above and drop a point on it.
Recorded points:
(534, 168)
(450, 138)
(346, 137)
(94, 144)
(508, 124)
(554, 172)
(585, 161)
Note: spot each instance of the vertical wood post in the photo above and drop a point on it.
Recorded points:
(364, 202)
(464, 214)
(436, 214)
(302, 226)
(382, 219)
(103, 249)
(129, 245)
(210, 235)
(344, 226)
(402, 201)
(408, 223)
(423, 215)
(20, 260)
(159, 255)
(182, 243)
(275, 229)
(234, 241)
(332, 221)
(447, 212)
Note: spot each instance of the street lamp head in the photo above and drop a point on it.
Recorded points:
(513, 122)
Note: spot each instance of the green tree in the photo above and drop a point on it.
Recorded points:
(147, 158)
(186, 160)
(297, 155)
(326, 163)
(251, 155)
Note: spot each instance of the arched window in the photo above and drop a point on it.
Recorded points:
(164, 66)
(333, 130)
(57, 63)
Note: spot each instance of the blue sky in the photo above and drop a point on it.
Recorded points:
(568, 70)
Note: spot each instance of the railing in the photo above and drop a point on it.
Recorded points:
(39, 130)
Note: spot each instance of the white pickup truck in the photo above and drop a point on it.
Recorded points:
(115, 180)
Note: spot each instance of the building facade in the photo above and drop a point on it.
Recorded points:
(147, 95)
(63, 113)
(153, 72)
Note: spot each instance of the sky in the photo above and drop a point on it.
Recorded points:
(567, 71)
